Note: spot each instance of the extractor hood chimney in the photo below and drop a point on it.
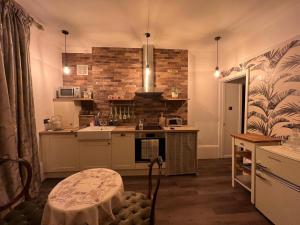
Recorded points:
(148, 72)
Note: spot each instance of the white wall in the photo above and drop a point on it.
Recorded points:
(203, 106)
(45, 54)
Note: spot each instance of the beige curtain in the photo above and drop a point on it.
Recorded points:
(17, 119)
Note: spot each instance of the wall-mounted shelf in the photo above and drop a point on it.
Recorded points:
(174, 99)
(73, 99)
(121, 100)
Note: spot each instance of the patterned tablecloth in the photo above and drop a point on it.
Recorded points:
(86, 197)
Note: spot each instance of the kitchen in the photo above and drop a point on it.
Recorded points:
(206, 98)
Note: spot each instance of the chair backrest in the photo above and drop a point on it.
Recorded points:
(25, 189)
(159, 162)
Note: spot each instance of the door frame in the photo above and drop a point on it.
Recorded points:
(246, 74)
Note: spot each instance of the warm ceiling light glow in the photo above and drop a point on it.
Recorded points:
(147, 78)
(66, 70)
(217, 72)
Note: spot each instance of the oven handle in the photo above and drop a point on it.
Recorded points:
(279, 179)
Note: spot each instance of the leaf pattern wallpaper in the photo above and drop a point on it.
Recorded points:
(274, 90)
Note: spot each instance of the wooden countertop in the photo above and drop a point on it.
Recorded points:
(128, 129)
(255, 138)
(64, 131)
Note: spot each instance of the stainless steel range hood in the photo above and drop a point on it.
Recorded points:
(148, 88)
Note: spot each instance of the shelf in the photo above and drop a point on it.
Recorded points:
(244, 180)
(175, 99)
(121, 100)
(73, 99)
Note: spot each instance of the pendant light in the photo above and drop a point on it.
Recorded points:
(217, 71)
(147, 65)
(66, 69)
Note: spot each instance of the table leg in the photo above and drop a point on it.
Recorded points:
(233, 161)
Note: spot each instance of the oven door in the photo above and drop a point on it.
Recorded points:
(149, 148)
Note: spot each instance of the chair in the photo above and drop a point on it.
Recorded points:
(138, 208)
(28, 212)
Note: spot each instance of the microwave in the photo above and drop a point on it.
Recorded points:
(174, 122)
(72, 92)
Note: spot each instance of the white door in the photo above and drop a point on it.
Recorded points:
(232, 115)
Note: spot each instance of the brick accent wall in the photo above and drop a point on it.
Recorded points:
(118, 71)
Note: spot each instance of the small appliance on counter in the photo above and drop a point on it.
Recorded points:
(68, 92)
(56, 123)
(174, 122)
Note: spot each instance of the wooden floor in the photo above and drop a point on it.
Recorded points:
(207, 199)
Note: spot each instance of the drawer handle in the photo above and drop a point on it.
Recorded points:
(277, 160)
(260, 176)
(242, 144)
(261, 167)
(123, 135)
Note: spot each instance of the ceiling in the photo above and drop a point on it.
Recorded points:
(172, 23)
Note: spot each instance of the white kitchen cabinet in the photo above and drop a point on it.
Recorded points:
(278, 184)
(123, 151)
(94, 154)
(60, 152)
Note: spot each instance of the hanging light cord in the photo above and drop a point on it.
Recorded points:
(148, 34)
(218, 53)
(65, 58)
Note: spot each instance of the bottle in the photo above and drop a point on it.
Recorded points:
(162, 120)
(141, 125)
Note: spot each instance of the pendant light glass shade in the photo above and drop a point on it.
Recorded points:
(147, 69)
(66, 69)
(217, 72)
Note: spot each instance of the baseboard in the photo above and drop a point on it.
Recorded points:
(208, 151)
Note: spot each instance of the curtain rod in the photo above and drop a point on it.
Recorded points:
(37, 24)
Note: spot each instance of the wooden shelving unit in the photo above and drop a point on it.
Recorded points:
(174, 99)
(244, 159)
(73, 99)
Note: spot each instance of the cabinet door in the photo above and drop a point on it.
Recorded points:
(181, 153)
(94, 154)
(60, 153)
(123, 151)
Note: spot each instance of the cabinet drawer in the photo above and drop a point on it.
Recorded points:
(123, 134)
(283, 167)
(244, 144)
(277, 201)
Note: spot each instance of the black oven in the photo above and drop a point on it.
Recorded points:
(149, 145)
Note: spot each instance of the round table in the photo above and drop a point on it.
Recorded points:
(86, 197)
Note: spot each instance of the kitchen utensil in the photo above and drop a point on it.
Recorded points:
(124, 115)
(116, 114)
(128, 113)
(120, 114)
(133, 115)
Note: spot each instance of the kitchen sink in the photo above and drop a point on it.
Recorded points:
(95, 133)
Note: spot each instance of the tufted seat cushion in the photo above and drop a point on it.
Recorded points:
(135, 210)
(26, 213)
